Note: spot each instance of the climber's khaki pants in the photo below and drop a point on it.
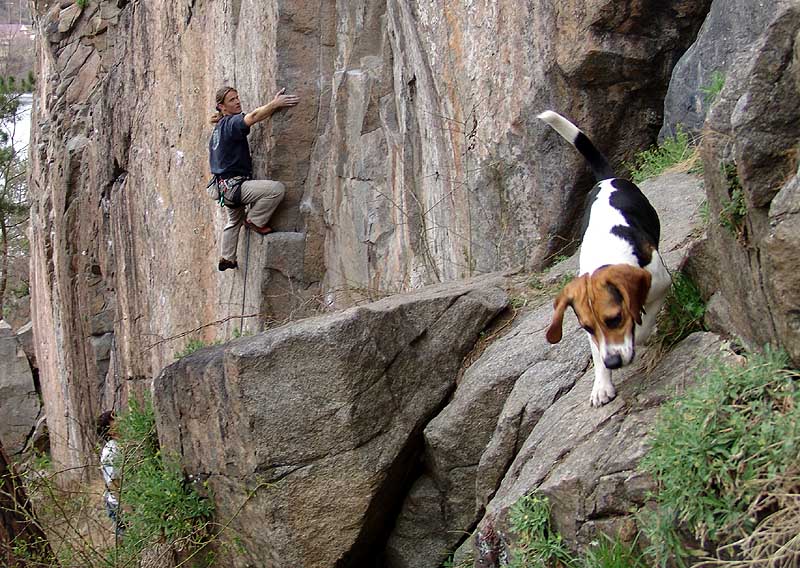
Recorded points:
(263, 196)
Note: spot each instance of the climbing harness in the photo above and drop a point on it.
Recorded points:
(227, 192)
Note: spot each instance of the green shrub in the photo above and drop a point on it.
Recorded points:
(657, 159)
(538, 545)
(158, 505)
(715, 447)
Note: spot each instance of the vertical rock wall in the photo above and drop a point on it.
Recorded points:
(751, 171)
(414, 157)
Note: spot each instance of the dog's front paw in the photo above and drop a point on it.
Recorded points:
(602, 393)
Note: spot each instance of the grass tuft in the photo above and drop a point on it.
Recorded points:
(195, 345)
(714, 87)
(675, 152)
(682, 314)
(613, 553)
(538, 544)
(713, 449)
(734, 209)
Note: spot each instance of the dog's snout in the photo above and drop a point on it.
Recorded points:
(613, 361)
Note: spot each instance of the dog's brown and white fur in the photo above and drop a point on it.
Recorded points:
(622, 281)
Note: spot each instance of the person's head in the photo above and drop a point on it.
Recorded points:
(226, 102)
(104, 423)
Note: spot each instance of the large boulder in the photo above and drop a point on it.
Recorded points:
(19, 402)
(751, 171)
(309, 434)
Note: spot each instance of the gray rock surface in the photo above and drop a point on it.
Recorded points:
(19, 403)
(751, 174)
(313, 428)
(729, 31)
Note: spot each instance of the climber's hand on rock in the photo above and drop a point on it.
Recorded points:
(282, 100)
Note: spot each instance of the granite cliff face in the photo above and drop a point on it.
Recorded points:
(413, 158)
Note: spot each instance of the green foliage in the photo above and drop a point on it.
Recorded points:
(705, 213)
(518, 302)
(21, 290)
(666, 547)
(712, 448)
(654, 161)
(157, 503)
(82, 3)
(538, 545)
(683, 312)
(734, 209)
(451, 563)
(712, 90)
(237, 333)
(157, 506)
(613, 553)
(192, 346)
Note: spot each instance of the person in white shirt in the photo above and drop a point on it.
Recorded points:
(110, 469)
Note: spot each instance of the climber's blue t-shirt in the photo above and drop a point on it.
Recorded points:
(228, 150)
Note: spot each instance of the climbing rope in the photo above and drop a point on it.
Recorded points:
(244, 286)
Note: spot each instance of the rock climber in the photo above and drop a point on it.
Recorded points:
(232, 168)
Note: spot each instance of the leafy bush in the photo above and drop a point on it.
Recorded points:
(158, 505)
(714, 449)
(159, 510)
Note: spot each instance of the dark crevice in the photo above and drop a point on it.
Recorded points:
(190, 13)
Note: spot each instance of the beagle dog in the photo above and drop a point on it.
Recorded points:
(622, 281)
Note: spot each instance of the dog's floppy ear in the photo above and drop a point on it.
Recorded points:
(639, 297)
(564, 299)
(634, 284)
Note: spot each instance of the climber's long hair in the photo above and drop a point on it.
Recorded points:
(219, 98)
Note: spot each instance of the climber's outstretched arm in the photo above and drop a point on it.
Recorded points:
(280, 102)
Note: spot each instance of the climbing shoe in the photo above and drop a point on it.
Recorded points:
(260, 230)
(225, 264)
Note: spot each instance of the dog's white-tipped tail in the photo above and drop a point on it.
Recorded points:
(564, 127)
(572, 134)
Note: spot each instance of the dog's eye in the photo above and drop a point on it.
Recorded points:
(615, 322)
